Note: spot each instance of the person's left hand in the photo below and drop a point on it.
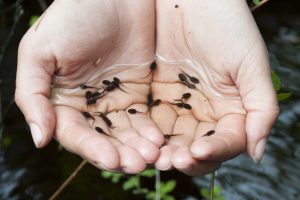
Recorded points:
(219, 43)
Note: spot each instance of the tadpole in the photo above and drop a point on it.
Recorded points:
(105, 119)
(153, 67)
(100, 130)
(88, 116)
(209, 133)
(83, 86)
(133, 111)
(192, 78)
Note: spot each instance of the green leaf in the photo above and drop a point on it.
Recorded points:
(217, 190)
(116, 178)
(283, 96)
(205, 193)
(106, 174)
(131, 183)
(167, 187)
(168, 197)
(149, 173)
(33, 19)
(151, 195)
(256, 2)
(276, 81)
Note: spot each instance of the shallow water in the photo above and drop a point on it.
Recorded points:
(27, 173)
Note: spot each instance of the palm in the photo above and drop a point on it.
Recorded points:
(104, 35)
(209, 43)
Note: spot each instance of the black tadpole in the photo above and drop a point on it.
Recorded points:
(105, 119)
(88, 94)
(106, 82)
(83, 86)
(187, 106)
(100, 130)
(88, 116)
(209, 133)
(156, 102)
(132, 111)
(192, 78)
(153, 67)
(182, 77)
(149, 99)
(186, 96)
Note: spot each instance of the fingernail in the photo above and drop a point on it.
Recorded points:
(259, 150)
(36, 134)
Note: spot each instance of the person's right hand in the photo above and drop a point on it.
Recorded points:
(70, 44)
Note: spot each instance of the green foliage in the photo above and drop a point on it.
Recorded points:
(217, 193)
(133, 184)
(33, 19)
(166, 188)
(114, 177)
(277, 86)
(256, 2)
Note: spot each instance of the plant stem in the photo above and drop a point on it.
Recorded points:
(212, 185)
(157, 184)
(69, 179)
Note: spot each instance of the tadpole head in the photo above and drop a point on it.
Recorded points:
(194, 80)
(186, 95)
(182, 77)
(106, 82)
(116, 80)
(180, 105)
(83, 86)
(156, 102)
(99, 130)
(88, 94)
(209, 133)
(149, 98)
(132, 111)
(187, 106)
(191, 86)
(153, 66)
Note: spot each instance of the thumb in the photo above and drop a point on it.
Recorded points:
(32, 93)
(259, 100)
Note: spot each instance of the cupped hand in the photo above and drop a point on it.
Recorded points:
(71, 44)
(220, 41)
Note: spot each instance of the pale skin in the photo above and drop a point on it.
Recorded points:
(74, 42)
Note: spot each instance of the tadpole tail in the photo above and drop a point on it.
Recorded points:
(151, 72)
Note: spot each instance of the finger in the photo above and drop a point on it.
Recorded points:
(144, 125)
(165, 117)
(164, 161)
(32, 94)
(259, 100)
(123, 131)
(182, 136)
(186, 163)
(228, 141)
(75, 134)
(131, 161)
(184, 131)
